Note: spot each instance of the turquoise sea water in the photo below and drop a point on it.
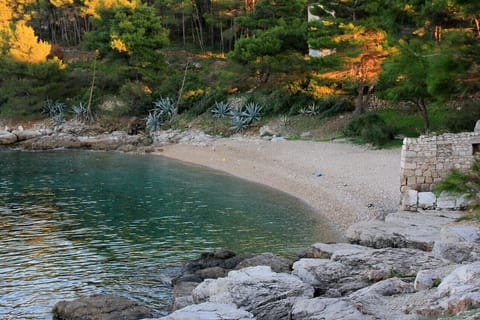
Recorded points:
(75, 223)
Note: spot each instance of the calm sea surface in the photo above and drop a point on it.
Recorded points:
(75, 223)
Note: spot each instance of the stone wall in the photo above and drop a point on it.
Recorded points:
(428, 159)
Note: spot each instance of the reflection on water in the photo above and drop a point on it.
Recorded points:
(78, 223)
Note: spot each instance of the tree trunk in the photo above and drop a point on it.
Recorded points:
(477, 24)
(198, 24)
(422, 108)
(359, 104)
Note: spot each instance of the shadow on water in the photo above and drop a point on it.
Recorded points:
(76, 223)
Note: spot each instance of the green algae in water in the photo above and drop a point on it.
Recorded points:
(76, 223)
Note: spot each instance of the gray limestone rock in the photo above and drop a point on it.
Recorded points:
(327, 309)
(210, 311)
(458, 243)
(381, 300)
(325, 274)
(277, 263)
(457, 292)
(182, 294)
(269, 131)
(326, 250)
(23, 135)
(266, 294)
(350, 270)
(477, 126)
(401, 230)
(425, 280)
(427, 200)
(410, 200)
(100, 307)
(7, 138)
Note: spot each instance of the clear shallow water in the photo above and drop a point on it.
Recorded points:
(75, 223)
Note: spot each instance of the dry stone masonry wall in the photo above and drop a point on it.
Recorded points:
(429, 159)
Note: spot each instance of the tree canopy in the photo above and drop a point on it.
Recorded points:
(412, 51)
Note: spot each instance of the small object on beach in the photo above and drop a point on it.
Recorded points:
(319, 174)
(370, 205)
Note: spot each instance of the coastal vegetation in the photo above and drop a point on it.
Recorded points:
(466, 184)
(393, 68)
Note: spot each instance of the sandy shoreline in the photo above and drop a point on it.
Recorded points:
(343, 182)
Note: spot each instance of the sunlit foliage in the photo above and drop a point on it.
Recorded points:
(25, 45)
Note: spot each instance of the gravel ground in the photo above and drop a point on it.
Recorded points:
(344, 182)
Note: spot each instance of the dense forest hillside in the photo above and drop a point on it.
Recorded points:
(414, 62)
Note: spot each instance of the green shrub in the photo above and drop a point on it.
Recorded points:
(463, 120)
(24, 87)
(465, 184)
(136, 97)
(370, 128)
(202, 104)
(334, 105)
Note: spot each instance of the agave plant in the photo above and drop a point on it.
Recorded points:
(238, 124)
(252, 112)
(153, 122)
(312, 110)
(54, 108)
(221, 109)
(79, 109)
(284, 120)
(55, 111)
(164, 107)
(236, 112)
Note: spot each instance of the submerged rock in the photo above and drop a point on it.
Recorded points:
(100, 307)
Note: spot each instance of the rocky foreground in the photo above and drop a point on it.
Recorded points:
(430, 270)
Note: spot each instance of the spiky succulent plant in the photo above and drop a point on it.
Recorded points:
(164, 107)
(252, 112)
(221, 109)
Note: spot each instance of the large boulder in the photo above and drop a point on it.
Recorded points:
(210, 311)
(327, 309)
(353, 268)
(259, 290)
(217, 262)
(7, 138)
(325, 275)
(456, 293)
(100, 307)
(23, 135)
(458, 243)
(402, 230)
(385, 299)
(373, 302)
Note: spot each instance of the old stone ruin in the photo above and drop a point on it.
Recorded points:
(429, 159)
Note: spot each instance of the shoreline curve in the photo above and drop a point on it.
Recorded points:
(345, 183)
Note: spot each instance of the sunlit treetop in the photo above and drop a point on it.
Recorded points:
(92, 6)
(25, 46)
